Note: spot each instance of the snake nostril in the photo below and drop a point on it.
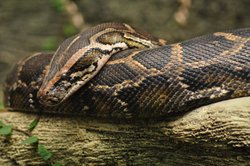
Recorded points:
(47, 99)
(40, 99)
(41, 96)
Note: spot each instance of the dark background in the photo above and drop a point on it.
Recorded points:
(31, 26)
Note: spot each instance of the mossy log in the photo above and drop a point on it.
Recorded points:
(218, 134)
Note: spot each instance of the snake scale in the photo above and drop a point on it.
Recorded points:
(115, 70)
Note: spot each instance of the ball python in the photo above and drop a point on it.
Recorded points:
(114, 70)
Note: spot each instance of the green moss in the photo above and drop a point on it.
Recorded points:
(69, 30)
(1, 106)
(50, 44)
(58, 5)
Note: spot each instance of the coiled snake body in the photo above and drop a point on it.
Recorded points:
(114, 70)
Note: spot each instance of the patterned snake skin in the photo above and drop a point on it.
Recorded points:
(146, 83)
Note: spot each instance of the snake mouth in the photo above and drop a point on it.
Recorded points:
(48, 102)
(50, 98)
(58, 92)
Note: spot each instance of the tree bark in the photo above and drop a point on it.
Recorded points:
(218, 134)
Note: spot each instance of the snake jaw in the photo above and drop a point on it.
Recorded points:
(49, 99)
(69, 84)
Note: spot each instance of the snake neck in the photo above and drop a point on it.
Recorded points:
(79, 58)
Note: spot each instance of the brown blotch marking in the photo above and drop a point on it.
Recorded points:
(237, 47)
(123, 85)
(223, 78)
(223, 56)
(123, 60)
(154, 97)
(110, 38)
(240, 93)
(135, 65)
(229, 36)
(89, 58)
(176, 60)
(145, 35)
(130, 62)
(176, 57)
(177, 52)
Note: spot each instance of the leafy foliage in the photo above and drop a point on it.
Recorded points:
(1, 124)
(1, 106)
(49, 44)
(30, 140)
(43, 152)
(58, 5)
(6, 130)
(57, 164)
(69, 30)
(33, 124)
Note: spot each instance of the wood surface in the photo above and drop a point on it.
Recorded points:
(218, 134)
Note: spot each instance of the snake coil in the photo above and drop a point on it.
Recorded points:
(115, 70)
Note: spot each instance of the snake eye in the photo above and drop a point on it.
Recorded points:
(64, 76)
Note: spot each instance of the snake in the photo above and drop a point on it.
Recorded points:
(114, 70)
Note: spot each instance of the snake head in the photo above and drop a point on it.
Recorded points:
(79, 58)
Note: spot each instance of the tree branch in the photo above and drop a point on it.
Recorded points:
(218, 134)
